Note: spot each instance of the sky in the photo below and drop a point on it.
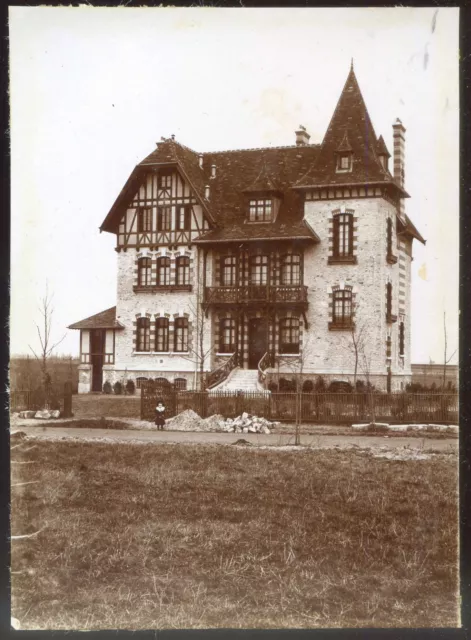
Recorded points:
(93, 89)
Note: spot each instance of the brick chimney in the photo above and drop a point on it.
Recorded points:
(399, 158)
(302, 136)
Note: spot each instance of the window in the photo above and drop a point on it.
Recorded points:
(165, 180)
(163, 272)
(259, 270)
(139, 382)
(390, 257)
(401, 339)
(164, 218)
(343, 236)
(180, 384)
(143, 334)
(144, 220)
(184, 218)
(161, 334)
(227, 334)
(290, 269)
(260, 210)
(389, 316)
(183, 270)
(181, 334)
(342, 315)
(344, 162)
(144, 271)
(289, 335)
(228, 271)
(388, 347)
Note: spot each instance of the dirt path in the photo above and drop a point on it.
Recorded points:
(273, 439)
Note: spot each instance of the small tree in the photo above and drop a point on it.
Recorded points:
(44, 329)
(297, 366)
(446, 358)
(197, 353)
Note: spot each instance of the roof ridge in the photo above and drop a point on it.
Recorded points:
(288, 146)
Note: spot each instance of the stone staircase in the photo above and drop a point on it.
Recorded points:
(240, 380)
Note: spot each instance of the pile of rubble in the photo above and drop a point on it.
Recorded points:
(384, 426)
(246, 423)
(44, 414)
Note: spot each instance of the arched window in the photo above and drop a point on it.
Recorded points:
(162, 384)
(180, 384)
(228, 271)
(139, 382)
(181, 334)
(183, 270)
(144, 219)
(143, 334)
(144, 270)
(259, 270)
(227, 335)
(291, 269)
(289, 335)
(163, 271)
(343, 236)
(161, 334)
(342, 314)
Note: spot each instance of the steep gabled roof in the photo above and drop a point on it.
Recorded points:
(350, 129)
(381, 148)
(103, 320)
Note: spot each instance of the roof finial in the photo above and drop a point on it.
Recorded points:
(351, 65)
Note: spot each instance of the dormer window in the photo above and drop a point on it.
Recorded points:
(260, 210)
(344, 162)
(165, 179)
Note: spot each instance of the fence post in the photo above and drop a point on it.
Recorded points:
(67, 400)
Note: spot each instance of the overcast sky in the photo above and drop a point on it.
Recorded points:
(93, 89)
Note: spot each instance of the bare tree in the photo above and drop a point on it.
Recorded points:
(44, 329)
(198, 354)
(446, 359)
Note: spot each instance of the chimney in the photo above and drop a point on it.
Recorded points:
(213, 171)
(399, 159)
(302, 136)
(206, 192)
(200, 158)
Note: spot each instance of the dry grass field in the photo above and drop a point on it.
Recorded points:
(191, 536)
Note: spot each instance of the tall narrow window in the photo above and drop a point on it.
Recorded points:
(389, 315)
(163, 271)
(161, 334)
(228, 271)
(388, 347)
(227, 333)
(144, 220)
(260, 210)
(343, 236)
(143, 334)
(165, 180)
(184, 217)
(290, 269)
(289, 335)
(144, 270)
(259, 270)
(164, 218)
(390, 257)
(342, 310)
(183, 270)
(181, 334)
(401, 339)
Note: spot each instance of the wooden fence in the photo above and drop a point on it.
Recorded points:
(55, 396)
(322, 408)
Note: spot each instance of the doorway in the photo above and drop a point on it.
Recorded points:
(257, 341)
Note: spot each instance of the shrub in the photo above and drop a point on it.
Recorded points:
(107, 388)
(118, 388)
(308, 386)
(130, 387)
(320, 384)
(360, 386)
(287, 385)
(273, 387)
(340, 386)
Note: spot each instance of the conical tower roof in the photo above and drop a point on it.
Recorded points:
(350, 129)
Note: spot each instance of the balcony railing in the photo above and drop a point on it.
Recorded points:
(256, 293)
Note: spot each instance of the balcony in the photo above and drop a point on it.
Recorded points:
(254, 294)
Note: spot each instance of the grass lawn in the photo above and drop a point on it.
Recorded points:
(192, 536)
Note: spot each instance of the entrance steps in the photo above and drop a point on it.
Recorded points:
(240, 380)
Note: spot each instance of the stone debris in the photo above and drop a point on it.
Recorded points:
(26, 414)
(245, 423)
(45, 414)
(383, 426)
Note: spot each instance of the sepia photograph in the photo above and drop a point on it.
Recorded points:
(234, 318)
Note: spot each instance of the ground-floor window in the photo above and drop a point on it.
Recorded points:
(181, 334)
(227, 335)
(289, 335)
(139, 382)
(143, 334)
(180, 384)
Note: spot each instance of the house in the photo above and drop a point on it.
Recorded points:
(236, 267)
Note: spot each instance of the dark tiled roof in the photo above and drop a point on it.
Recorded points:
(103, 320)
(239, 231)
(410, 229)
(381, 147)
(350, 129)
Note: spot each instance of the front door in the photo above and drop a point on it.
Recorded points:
(257, 341)
(97, 350)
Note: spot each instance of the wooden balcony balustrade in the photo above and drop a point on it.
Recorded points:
(254, 293)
